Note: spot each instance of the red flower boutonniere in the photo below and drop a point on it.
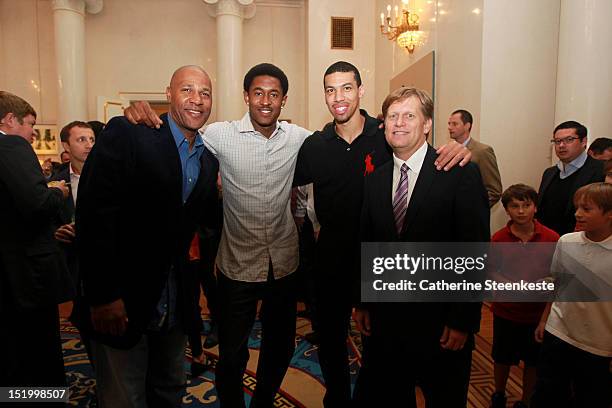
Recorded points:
(369, 166)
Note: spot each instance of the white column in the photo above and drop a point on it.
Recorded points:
(228, 90)
(69, 22)
(584, 88)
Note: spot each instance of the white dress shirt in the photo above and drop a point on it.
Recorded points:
(74, 184)
(257, 173)
(414, 163)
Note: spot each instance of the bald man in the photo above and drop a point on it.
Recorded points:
(142, 192)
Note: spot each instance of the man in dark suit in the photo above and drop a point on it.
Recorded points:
(406, 199)
(559, 183)
(78, 139)
(31, 266)
(141, 195)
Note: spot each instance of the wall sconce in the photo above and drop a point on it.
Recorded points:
(402, 28)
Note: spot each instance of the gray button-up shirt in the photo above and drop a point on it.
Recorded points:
(257, 174)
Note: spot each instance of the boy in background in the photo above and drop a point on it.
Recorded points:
(515, 323)
(574, 366)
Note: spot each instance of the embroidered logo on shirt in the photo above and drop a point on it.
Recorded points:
(369, 166)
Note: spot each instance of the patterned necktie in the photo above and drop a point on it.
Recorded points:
(400, 204)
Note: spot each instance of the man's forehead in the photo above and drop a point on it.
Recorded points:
(565, 132)
(409, 104)
(79, 131)
(190, 76)
(339, 78)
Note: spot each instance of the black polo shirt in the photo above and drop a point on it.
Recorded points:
(337, 170)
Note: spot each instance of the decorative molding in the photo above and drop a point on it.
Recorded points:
(280, 3)
(244, 9)
(94, 6)
(76, 6)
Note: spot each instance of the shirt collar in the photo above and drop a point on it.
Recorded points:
(4, 133)
(414, 162)
(179, 137)
(467, 141)
(574, 165)
(606, 243)
(370, 126)
(245, 124)
(537, 230)
(72, 172)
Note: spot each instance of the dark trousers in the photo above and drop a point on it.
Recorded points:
(333, 318)
(31, 348)
(150, 374)
(305, 270)
(237, 310)
(563, 368)
(395, 360)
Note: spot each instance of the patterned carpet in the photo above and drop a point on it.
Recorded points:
(303, 385)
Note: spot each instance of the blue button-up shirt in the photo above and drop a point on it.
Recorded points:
(567, 170)
(190, 166)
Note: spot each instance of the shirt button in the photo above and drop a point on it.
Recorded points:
(190, 179)
(348, 149)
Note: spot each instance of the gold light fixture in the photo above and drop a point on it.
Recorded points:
(402, 28)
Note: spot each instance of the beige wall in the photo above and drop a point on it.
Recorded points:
(518, 88)
(320, 56)
(28, 55)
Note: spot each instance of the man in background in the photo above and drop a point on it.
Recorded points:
(459, 127)
(32, 269)
(601, 149)
(560, 182)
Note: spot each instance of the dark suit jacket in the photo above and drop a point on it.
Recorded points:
(132, 224)
(31, 266)
(65, 216)
(444, 207)
(590, 172)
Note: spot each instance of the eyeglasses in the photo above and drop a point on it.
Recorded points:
(566, 141)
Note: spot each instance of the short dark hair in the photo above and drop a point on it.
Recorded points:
(268, 70)
(343, 66)
(97, 127)
(580, 129)
(466, 117)
(10, 103)
(600, 145)
(598, 193)
(65, 132)
(520, 192)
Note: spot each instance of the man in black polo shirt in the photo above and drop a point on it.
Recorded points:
(336, 160)
(559, 183)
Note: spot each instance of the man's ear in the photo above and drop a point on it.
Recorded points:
(66, 146)
(8, 120)
(427, 126)
(168, 94)
(246, 97)
(361, 91)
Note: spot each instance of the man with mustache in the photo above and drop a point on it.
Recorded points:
(141, 193)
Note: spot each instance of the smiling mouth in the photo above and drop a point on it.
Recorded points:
(340, 109)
